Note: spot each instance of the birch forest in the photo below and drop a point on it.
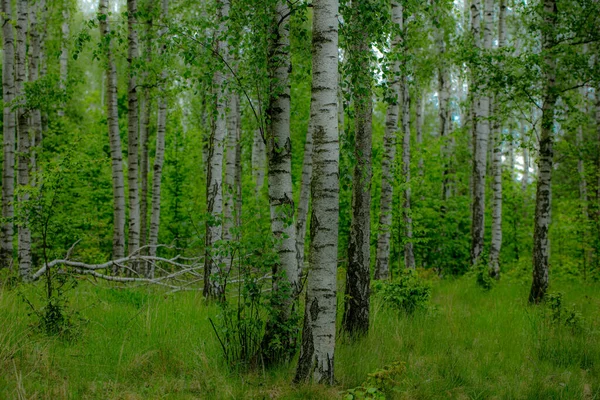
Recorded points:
(300, 199)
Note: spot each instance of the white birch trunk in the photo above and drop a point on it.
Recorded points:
(543, 201)
(496, 241)
(132, 129)
(318, 335)
(382, 263)
(37, 22)
(409, 256)
(159, 158)
(481, 137)
(115, 140)
(9, 135)
(214, 180)
(230, 192)
(419, 130)
(23, 126)
(145, 107)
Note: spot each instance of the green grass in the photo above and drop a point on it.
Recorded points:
(144, 344)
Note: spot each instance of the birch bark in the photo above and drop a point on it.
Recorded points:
(318, 336)
(357, 295)
(23, 127)
(159, 158)
(382, 263)
(496, 243)
(214, 180)
(115, 139)
(409, 256)
(9, 135)
(132, 129)
(481, 130)
(543, 201)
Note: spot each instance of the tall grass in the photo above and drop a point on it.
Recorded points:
(144, 344)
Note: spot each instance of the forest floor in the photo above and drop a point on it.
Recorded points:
(142, 343)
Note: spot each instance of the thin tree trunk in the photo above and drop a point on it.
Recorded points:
(583, 191)
(318, 336)
(159, 158)
(357, 295)
(480, 140)
(145, 107)
(496, 243)
(64, 51)
(525, 147)
(541, 241)
(214, 181)
(382, 262)
(9, 135)
(420, 101)
(230, 192)
(23, 158)
(132, 129)
(281, 196)
(409, 256)
(303, 201)
(115, 139)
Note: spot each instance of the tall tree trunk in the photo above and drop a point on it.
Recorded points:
(37, 22)
(409, 256)
(9, 135)
(24, 237)
(541, 240)
(303, 201)
(132, 129)
(420, 101)
(583, 191)
(258, 161)
(214, 180)
(281, 196)
(481, 137)
(382, 263)
(318, 336)
(145, 107)
(496, 243)
(445, 114)
(159, 158)
(64, 51)
(357, 295)
(115, 139)
(525, 147)
(230, 192)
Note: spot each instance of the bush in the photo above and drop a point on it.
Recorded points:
(406, 293)
(378, 383)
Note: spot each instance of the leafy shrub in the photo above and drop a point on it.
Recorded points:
(378, 384)
(560, 315)
(406, 293)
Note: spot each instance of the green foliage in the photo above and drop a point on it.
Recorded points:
(378, 384)
(406, 293)
(482, 275)
(560, 315)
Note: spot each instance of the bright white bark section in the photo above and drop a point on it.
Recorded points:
(214, 179)
(318, 336)
(115, 139)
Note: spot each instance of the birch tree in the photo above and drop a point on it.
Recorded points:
(132, 128)
(382, 263)
(496, 243)
(541, 242)
(318, 335)
(356, 297)
(159, 158)
(281, 196)
(9, 134)
(214, 180)
(481, 131)
(23, 145)
(118, 180)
